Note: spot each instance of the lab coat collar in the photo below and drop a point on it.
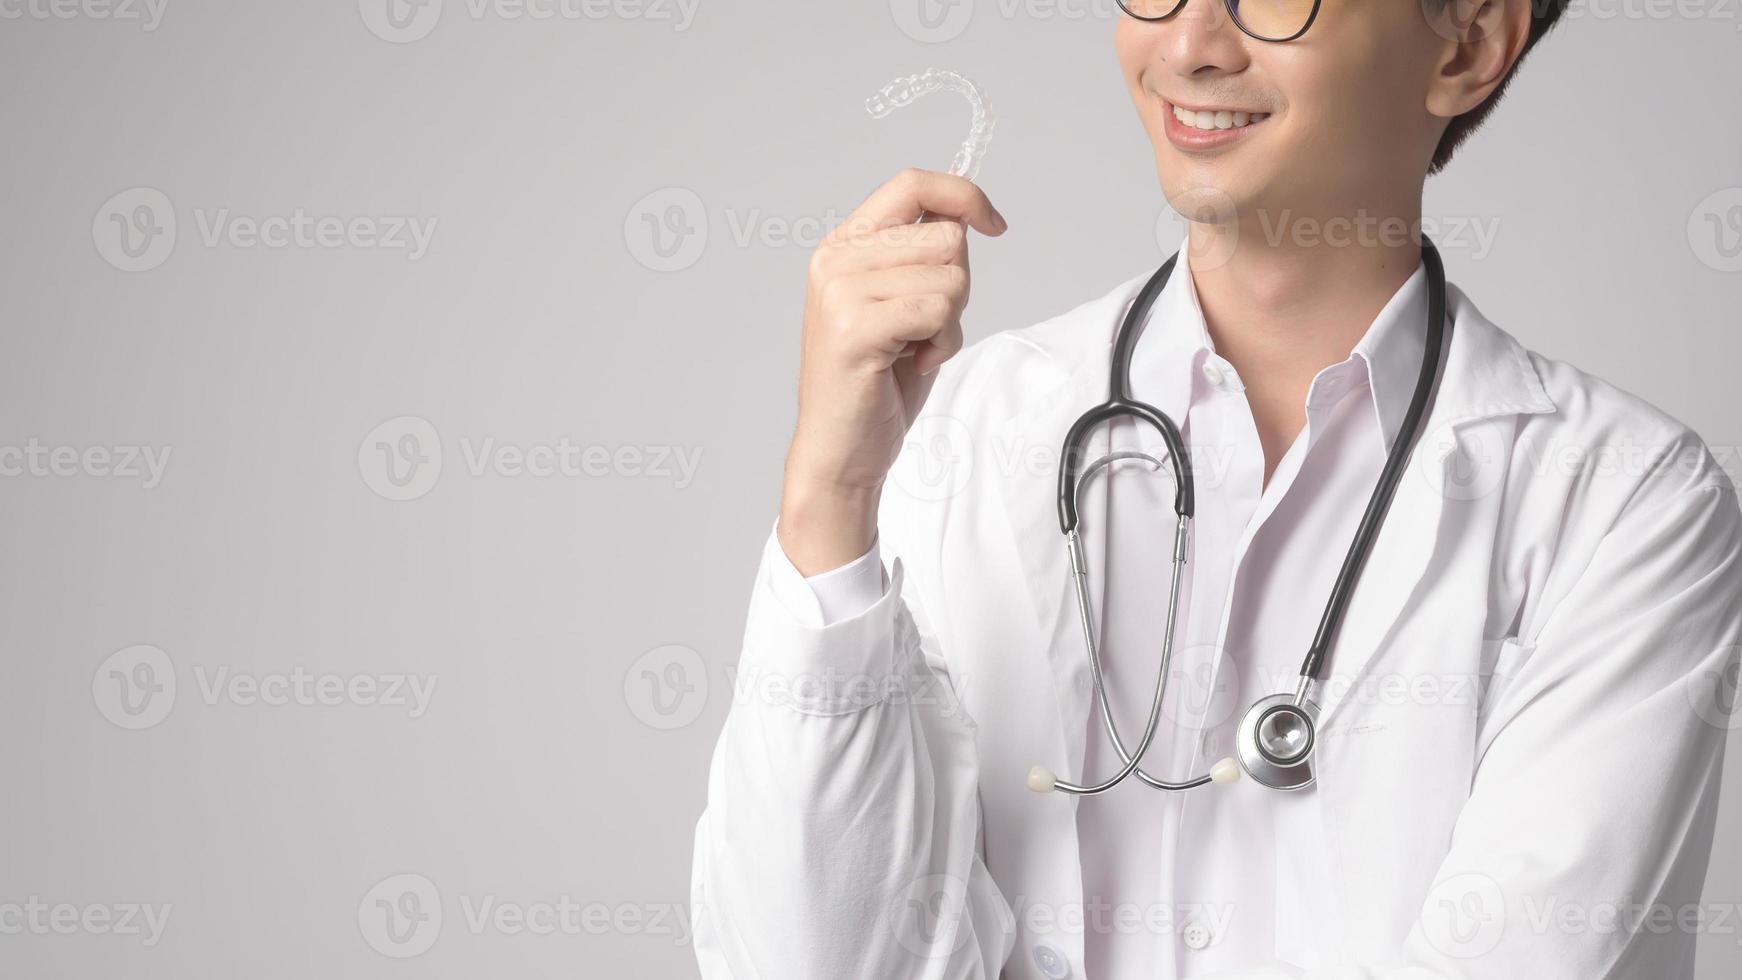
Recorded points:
(1392, 350)
(1487, 375)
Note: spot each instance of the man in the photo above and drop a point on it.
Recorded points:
(1522, 727)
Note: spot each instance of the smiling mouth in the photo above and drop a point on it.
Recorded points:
(1214, 119)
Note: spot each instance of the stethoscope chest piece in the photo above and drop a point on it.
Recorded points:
(1276, 739)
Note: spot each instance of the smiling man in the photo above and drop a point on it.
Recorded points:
(1432, 709)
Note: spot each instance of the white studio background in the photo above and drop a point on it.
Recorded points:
(305, 650)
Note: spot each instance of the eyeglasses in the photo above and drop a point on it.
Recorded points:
(1266, 20)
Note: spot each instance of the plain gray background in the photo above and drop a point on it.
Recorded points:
(578, 626)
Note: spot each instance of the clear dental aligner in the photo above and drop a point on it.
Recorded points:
(905, 90)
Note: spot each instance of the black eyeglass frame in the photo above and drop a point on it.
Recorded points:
(1234, 16)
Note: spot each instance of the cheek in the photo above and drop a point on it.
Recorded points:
(1130, 48)
(1338, 98)
(1364, 82)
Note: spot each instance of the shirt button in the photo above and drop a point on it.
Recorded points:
(1051, 962)
(1214, 373)
(1196, 935)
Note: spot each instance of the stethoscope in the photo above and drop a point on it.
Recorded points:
(1277, 736)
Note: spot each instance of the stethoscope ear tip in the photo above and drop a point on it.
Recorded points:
(1042, 780)
(1225, 771)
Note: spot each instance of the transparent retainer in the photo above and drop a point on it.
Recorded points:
(909, 88)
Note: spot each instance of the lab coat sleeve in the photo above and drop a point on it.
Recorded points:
(1582, 849)
(841, 835)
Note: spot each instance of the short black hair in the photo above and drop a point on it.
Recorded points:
(1544, 14)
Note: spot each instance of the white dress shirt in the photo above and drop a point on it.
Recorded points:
(1195, 871)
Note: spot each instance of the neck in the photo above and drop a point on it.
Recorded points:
(1295, 304)
(1282, 307)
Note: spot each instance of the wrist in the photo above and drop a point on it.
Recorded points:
(826, 525)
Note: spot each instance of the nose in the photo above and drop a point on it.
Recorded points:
(1202, 41)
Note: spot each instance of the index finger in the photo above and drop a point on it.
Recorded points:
(914, 192)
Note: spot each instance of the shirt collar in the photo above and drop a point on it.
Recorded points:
(1171, 356)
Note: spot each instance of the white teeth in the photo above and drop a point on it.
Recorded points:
(1220, 119)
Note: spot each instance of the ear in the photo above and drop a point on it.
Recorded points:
(1482, 41)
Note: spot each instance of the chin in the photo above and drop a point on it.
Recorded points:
(1208, 195)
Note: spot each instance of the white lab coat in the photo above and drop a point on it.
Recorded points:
(1565, 555)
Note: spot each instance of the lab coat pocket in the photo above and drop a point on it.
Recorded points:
(1394, 773)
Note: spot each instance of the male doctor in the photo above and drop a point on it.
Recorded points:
(1524, 714)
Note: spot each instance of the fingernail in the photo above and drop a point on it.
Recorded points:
(1003, 225)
